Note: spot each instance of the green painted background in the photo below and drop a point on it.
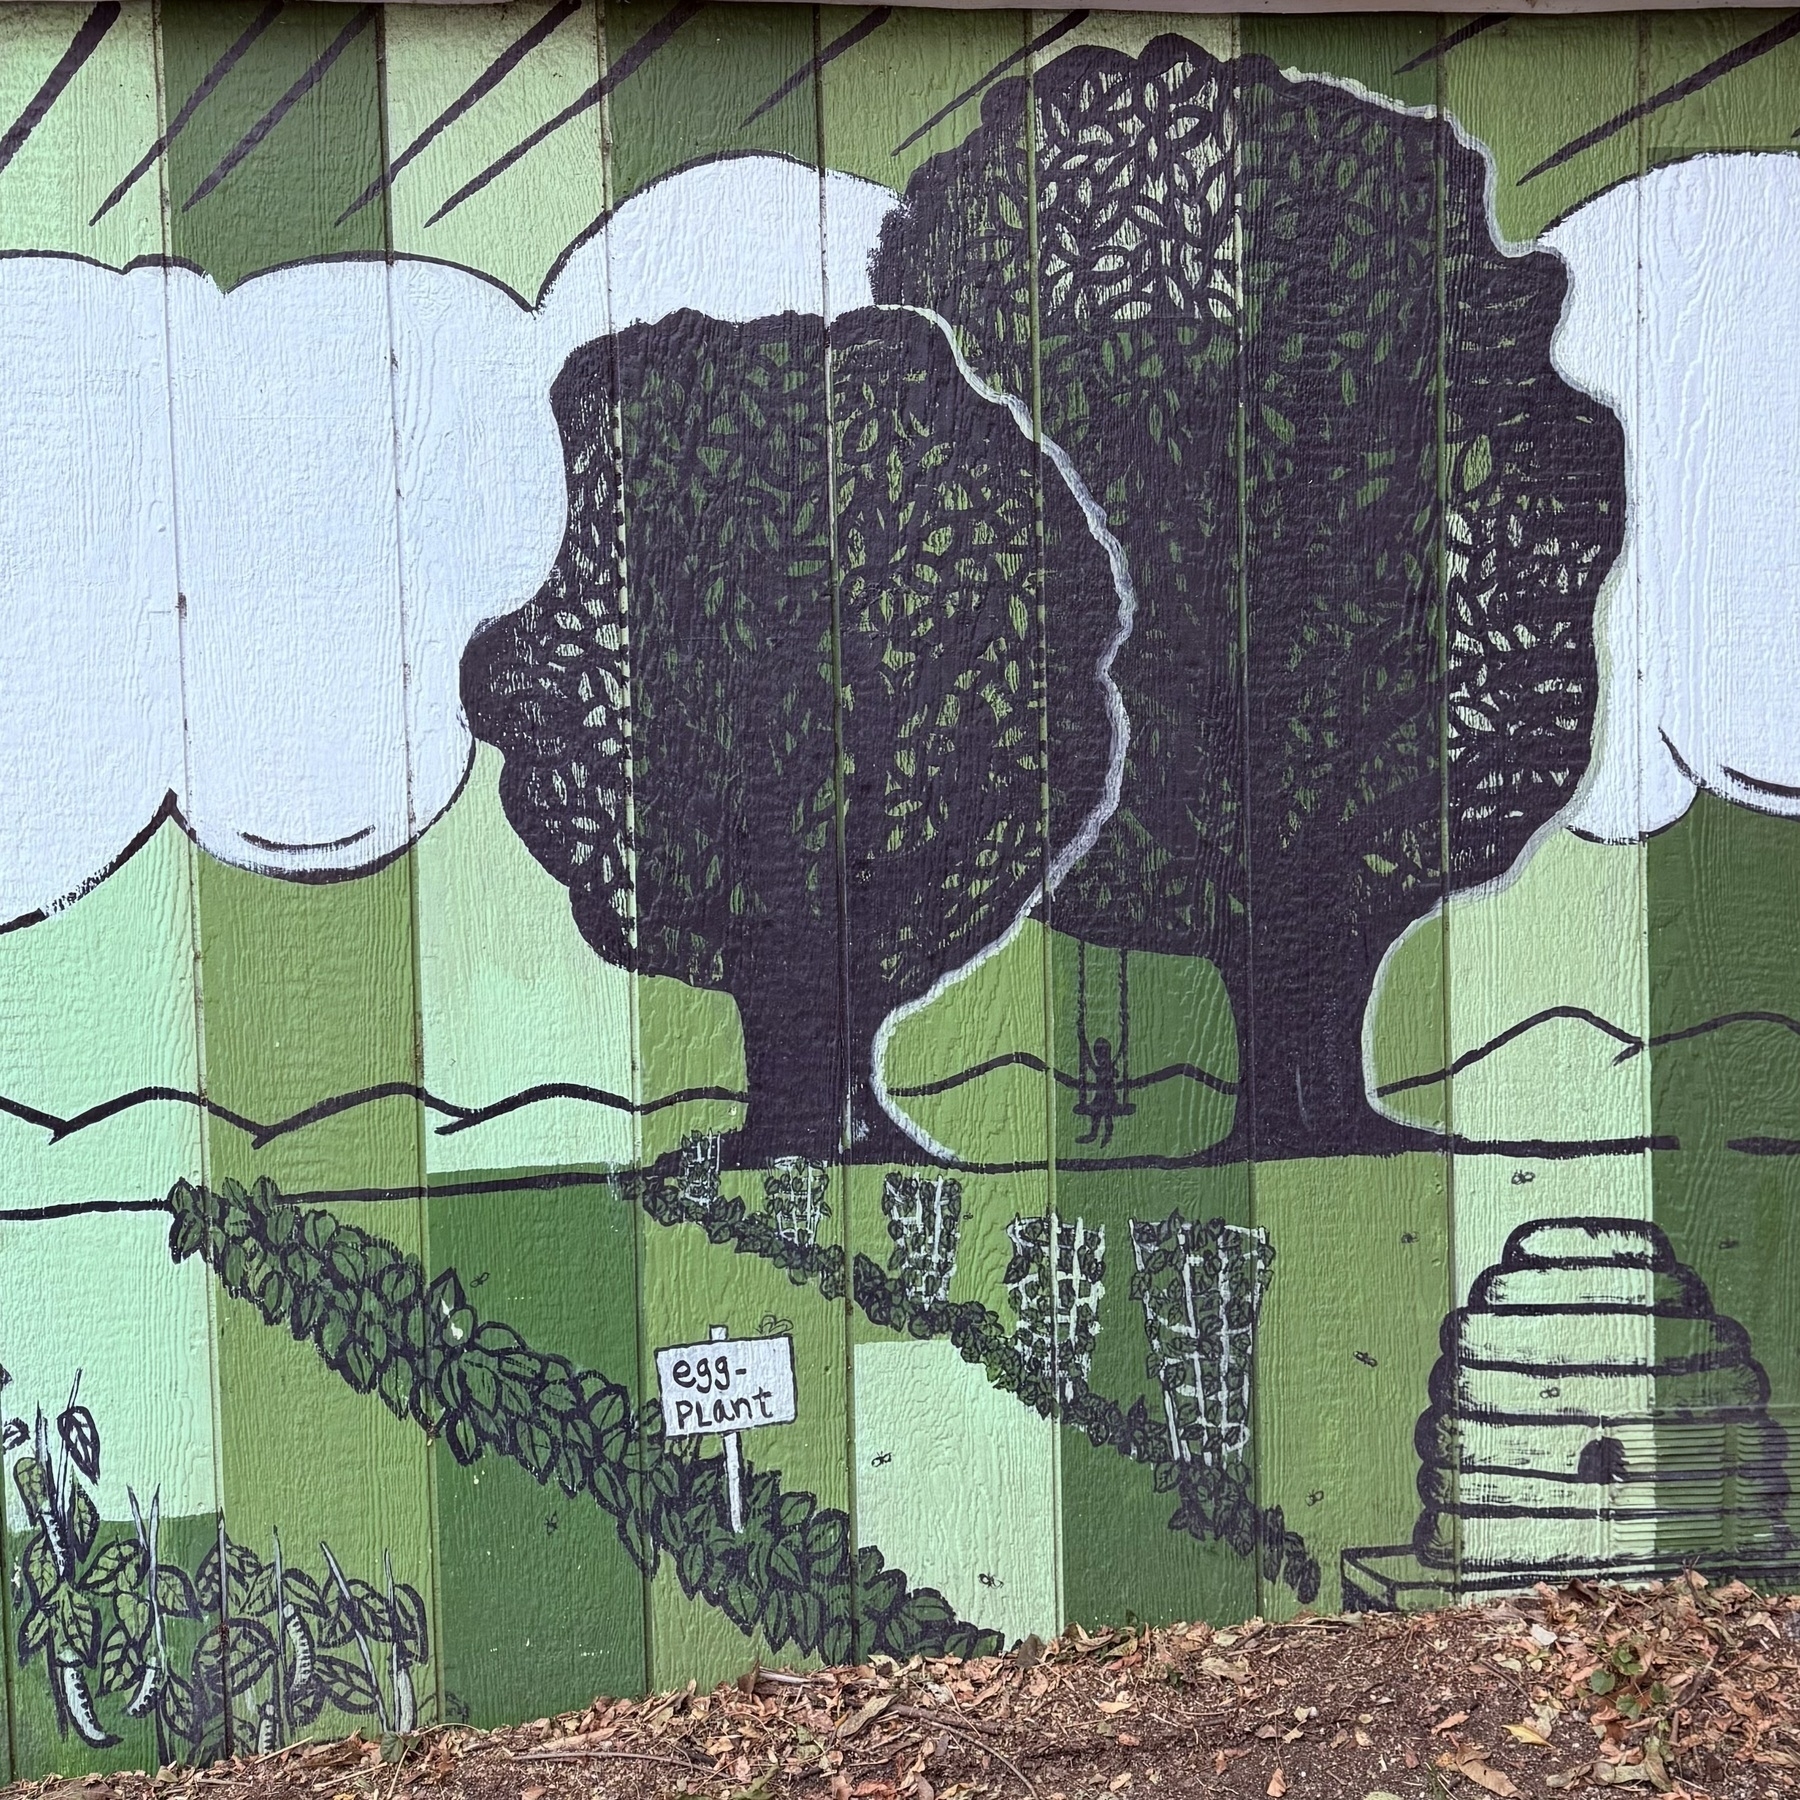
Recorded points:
(458, 967)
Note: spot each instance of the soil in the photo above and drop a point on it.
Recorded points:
(1683, 1688)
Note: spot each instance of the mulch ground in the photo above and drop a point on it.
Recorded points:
(1683, 1689)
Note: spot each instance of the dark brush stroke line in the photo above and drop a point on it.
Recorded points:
(1024, 1059)
(337, 843)
(1701, 1362)
(574, 1090)
(1469, 1058)
(308, 80)
(343, 1103)
(191, 105)
(1655, 1477)
(1746, 52)
(166, 811)
(1455, 41)
(628, 65)
(1780, 790)
(1764, 1146)
(29, 1115)
(1431, 1143)
(1633, 1046)
(144, 1096)
(463, 1117)
(83, 45)
(870, 23)
(1786, 1020)
(477, 91)
(1503, 1419)
(1042, 41)
(553, 1180)
(77, 1209)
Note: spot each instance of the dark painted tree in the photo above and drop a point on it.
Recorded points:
(1366, 520)
(777, 717)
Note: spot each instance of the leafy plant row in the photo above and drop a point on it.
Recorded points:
(1213, 1502)
(415, 1342)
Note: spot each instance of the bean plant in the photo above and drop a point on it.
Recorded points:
(235, 1653)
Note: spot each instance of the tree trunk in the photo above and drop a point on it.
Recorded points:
(1299, 1000)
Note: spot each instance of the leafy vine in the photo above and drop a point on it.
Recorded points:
(416, 1343)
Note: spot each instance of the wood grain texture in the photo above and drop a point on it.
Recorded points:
(307, 990)
(681, 476)
(1601, 962)
(100, 1003)
(1343, 796)
(1720, 893)
(1000, 1567)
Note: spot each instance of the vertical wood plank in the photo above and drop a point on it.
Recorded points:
(97, 1000)
(723, 448)
(1721, 879)
(1343, 705)
(539, 1603)
(1157, 1486)
(972, 1069)
(1565, 927)
(308, 987)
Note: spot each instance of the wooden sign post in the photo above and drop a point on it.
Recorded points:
(727, 1385)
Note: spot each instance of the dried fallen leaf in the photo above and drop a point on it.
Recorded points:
(531, 1793)
(1277, 1785)
(1470, 1767)
(1119, 1782)
(1451, 1723)
(1122, 1703)
(869, 1710)
(1235, 1668)
(1527, 1734)
(1496, 1781)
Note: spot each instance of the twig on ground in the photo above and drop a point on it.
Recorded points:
(974, 1737)
(599, 1755)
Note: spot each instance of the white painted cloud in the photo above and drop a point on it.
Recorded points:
(1684, 316)
(246, 536)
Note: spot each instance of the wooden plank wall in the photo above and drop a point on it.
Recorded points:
(964, 691)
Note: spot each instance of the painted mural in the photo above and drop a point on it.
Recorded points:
(837, 831)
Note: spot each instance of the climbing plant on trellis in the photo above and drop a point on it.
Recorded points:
(1201, 1288)
(924, 1218)
(1056, 1281)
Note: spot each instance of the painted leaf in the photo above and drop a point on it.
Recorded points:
(77, 1627)
(116, 1566)
(38, 1565)
(175, 1595)
(84, 1522)
(347, 1685)
(121, 1661)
